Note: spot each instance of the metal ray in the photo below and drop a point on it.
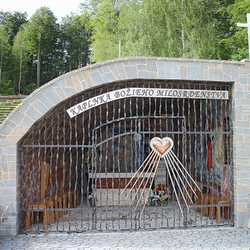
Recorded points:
(172, 169)
(173, 185)
(136, 173)
(176, 163)
(150, 188)
(149, 161)
(172, 153)
(154, 160)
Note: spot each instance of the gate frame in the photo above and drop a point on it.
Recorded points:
(139, 119)
(42, 100)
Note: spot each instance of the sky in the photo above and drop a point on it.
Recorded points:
(60, 8)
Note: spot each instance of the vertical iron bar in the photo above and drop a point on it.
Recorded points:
(57, 162)
(94, 157)
(83, 165)
(70, 170)
(99, 159)
(202, 147)
(33, 182)
(230, 153)
(195, 140)
(113, 151)
(119, 163)
(125, 156)
(45, 161)
(90, 168)
(76, 172)
(50, 168)
(64, 166)
(106, 163)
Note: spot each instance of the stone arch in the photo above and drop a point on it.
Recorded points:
(42, 100)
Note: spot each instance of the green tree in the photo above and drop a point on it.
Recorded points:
(236, 45)
(13, 23)
(4, 59)
(105, 40)
(42, 37)
(176, 28)
(19, 60)
(76, 33)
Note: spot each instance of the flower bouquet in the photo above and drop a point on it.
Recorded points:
(160, 194)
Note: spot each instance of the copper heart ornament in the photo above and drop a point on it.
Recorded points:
(161, 146)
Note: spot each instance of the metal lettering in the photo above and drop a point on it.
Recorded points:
(146, 92)
(128, 92)
(72, 110)
(138, 92)
(175, 92)
(151, 92)
(108, 98)
(84, 105)
(79, 109)
(160, 92)
(123, 93)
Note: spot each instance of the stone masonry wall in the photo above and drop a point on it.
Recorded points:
(49, 95)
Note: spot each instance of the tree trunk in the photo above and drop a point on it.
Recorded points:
(38, 64)
(183, 30)
(20, 73)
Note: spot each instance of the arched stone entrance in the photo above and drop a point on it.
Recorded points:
(45, 100)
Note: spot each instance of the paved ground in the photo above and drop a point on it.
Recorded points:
(215, 238)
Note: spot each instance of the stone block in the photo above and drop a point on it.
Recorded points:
(10, 183)
(142, 61)
(243, 124)
(131, 72)
(5, 177)
(4, 167)
(121, 71)
(6, 130)
(141, 67)
(109, 77)
(192, 71)
(8, 232)
(38, 105)
(162, 65)
(9, 225)
(9, 150)
(10, 210)
(7, 191)
(239, 94)
(227, 69)
(243, 80)
(33, 114)
(241, 219)
(145, 75)
(115, 72)
(183, 72)
(51, 95)
(151, 66)
(162, 74)
(235, 73)
(7, 198)
(67, 92)
(44, 100)
(96, 77)
(176, 71)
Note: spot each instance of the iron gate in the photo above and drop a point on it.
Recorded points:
(73, 170)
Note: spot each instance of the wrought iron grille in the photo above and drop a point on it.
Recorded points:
(73, 170)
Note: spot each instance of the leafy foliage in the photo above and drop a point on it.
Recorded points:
(236, 44)
(35, 51)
